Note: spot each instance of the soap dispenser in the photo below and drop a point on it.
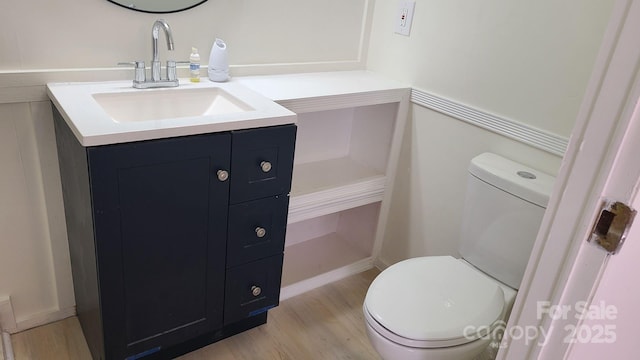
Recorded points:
(194, 65)
(218, 62)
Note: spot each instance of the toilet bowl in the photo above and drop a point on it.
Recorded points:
(435, 307)
(440, 307)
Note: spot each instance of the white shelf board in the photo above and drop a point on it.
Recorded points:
(319, 261)
(328, 186)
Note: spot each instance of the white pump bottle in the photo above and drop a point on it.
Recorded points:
(218, 62)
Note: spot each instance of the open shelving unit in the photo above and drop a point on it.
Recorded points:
(348, 138)
(322, 248)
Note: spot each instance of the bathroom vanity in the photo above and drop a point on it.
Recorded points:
(175, 242)
(177, 226)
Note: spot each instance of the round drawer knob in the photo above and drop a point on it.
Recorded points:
(222, 175)
(255, 290)
(261, 232)
(265, 166)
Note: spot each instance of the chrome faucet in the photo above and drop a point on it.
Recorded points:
(155, 30)
(140, 81)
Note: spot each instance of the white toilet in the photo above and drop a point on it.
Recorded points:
(440, 307)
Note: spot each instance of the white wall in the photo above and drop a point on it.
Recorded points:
(528, 61)
(38, 34)
(69, 40)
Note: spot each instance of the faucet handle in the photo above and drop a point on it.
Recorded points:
(171, 69)
(138, 65)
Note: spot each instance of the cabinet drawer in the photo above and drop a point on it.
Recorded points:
(252, 288)
(261, 162)
(256, 229)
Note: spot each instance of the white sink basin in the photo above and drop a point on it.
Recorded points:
(158, 104)
(114, 112)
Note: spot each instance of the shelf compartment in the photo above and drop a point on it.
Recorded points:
(341, 159)
(329, 186)
(328, 248)
(363, 134)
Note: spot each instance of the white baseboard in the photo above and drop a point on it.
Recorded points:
(43, 318)
(380, 264)
(6, 349)
(326, 278)
(7, 318)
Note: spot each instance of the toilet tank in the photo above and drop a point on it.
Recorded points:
(503, 210)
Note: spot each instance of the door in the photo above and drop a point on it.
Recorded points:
(571, 287)
(160, 215)
(599, 301)
(609, 330)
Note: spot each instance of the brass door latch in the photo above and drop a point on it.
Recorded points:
(611, 228)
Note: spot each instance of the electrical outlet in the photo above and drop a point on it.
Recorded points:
(404, 16)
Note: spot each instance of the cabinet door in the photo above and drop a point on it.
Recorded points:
(160, 215)
(262, 162)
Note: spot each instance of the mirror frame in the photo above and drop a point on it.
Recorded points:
(122, 3)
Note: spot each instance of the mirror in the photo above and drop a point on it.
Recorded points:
(158, 6)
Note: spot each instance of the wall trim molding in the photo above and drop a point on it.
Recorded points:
(540, 139)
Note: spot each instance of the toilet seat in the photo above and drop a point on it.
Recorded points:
(434, 301)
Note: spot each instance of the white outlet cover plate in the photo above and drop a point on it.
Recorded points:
(404, 17)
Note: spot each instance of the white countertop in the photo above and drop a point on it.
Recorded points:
(314, 85)
(93, 126)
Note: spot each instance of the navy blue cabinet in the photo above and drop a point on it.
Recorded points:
(252, 288)
(175, 243)
(256, 229)
(261, 162)
(160, 220)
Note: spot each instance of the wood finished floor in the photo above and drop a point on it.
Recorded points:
(323, 324)
(326, 323)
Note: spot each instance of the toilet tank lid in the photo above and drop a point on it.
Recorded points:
(519, 180)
